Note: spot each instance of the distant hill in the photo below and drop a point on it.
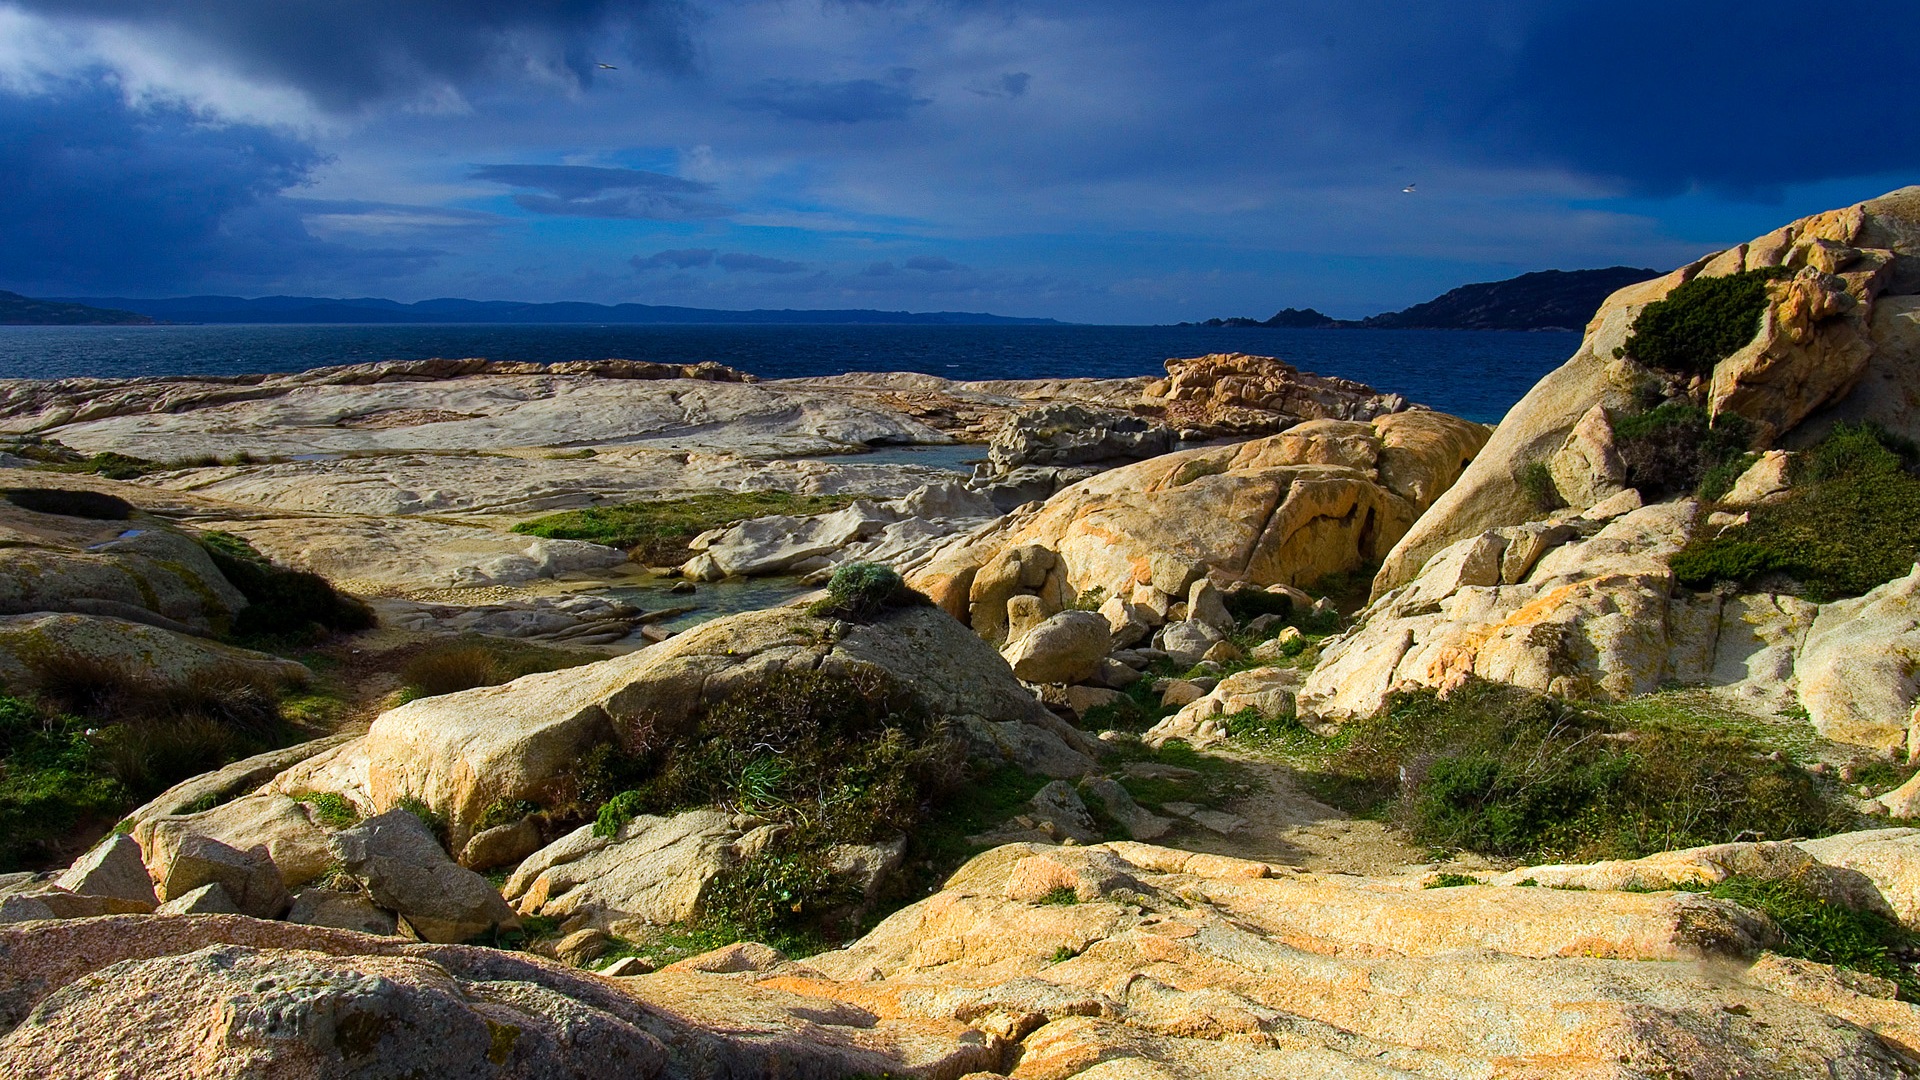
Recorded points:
(315, 309)
(17, 310)
(1543, 300)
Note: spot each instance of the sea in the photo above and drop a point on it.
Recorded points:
(1475, 374)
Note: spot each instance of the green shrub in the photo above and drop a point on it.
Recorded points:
(1672, 449)
(1536, 480)
(1701, 322)
(656, 533)
(1815, 928)
(1451, 881)
(281, 603)
(53, 779)
(838, 757)
(1499, 770)
(865, 588)
(617, 811)
(1852, 522)
(787, 896)
(93, 505)
(1060, 896)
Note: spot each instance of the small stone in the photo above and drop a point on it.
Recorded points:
(113, 868)
(627, 967)
(581, 946)
(343, 910)
(208, 899)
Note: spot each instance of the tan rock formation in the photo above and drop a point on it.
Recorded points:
(1837, 343)
(1320, 498)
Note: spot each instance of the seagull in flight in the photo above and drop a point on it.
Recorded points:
(607, 67)
(1408, 190)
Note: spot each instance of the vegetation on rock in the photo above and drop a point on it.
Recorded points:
(866, 588)
(1701, 322)
(657, 533)
(1507, 772)
(1813, 927)
(1675, 448)
(1850, 522)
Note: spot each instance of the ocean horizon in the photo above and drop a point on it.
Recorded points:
(1475, 374)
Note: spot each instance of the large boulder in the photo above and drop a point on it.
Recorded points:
(1837, 342)
(1066, 648)
(405, 870)
(1069, 433)
(1324, 497)
(1859, 670)
(139, 569)
(112, 868)
(282, 827)
(248, 878)
(135, 647)
(461, 753)
(655, 869)
(1239, 394)
(1588, 618)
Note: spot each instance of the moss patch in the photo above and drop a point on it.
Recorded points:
(656, 533)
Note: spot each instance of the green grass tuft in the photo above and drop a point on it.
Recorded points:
(657, 533)
(863, 589)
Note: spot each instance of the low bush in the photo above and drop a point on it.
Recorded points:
(282, 604)
(332, 808)
(656, 533)
(1701, 322)
(1851, 522)
(866, 588)
(1536, 480)
(1500, 770)
(787, 896)
(1815, 928)
(472, 660)
(94, 505)
(1672, 449)
(840, 758)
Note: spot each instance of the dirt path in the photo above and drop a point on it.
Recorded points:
(1286, 825)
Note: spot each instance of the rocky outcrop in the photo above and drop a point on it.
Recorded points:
(899, 531)
(1836, 342)
(403, 868)
(1858, 670)
(1238, 394)
(460, 753)
(1321, 498)
(653, 869)
(26, 640)
(1074, 434)
(139, 569)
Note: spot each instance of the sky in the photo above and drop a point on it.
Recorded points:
(1113, 161)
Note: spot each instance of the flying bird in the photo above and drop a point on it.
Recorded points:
(1408, 190)
(607, 67)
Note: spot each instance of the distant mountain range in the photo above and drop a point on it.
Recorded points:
(315, 309)
(17, 310)
(1544, 300)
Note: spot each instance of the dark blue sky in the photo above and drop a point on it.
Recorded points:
(1110, 161)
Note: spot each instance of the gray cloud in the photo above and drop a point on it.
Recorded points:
(350, 53)
(849, 102)
(1013, 84)
(595, 192)
(677, 259)
(741, 262)
(932, 264)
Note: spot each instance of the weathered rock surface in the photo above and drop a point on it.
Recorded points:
(405, 870)
(1073, 434)
(141, 569)
(113, 868)
(248, 878)
(131, 646)
(1238, 394)
(896, 532)
(1858, 670)
(281, 827)
(1268, 691)
(1320, 498)
(459, 753)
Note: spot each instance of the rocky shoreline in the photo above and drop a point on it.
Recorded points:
(1240, 722)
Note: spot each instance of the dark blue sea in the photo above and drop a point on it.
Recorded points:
(1475, 374)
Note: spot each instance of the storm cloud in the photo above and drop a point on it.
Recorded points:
(596, 192)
